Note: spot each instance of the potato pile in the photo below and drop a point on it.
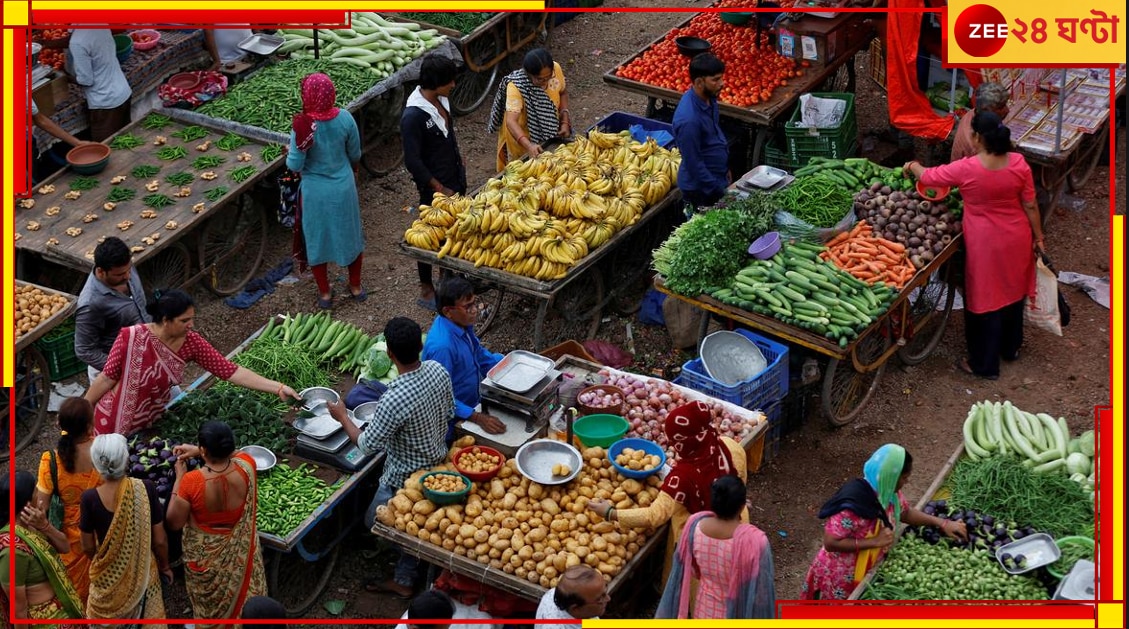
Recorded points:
(34, 306)
(476, 461)
(448, 483)
(526, 529)
(637, 460)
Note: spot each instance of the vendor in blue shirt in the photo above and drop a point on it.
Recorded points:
(703, 175)
(451, 342)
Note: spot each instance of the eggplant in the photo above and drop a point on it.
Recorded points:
(929, 510)
(137, 469)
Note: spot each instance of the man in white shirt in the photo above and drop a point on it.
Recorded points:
(581, 594)
(93, 57)
(223, 43)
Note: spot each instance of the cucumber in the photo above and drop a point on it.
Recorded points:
(799, 280)
(790, 294)
(770, 298)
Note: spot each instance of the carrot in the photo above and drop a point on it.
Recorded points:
(839, 238)
(896, 247)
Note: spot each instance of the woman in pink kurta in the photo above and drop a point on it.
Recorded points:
(1001, 232)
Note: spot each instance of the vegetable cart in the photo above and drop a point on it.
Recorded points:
(484, 50)
(911, 327)
(32, 390)
(229, 228)
(580, 296)
(757, 120)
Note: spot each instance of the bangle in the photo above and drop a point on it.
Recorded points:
(522, 140)
(856, 544)
(279, 392)
(608, 513)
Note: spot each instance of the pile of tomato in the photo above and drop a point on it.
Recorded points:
(753, 69)
(49, 34)
(56, 58)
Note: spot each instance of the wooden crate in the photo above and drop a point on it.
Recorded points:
(876, 63)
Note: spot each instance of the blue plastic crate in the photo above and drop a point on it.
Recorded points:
(621, 121)
(770, 385)
(775, 432)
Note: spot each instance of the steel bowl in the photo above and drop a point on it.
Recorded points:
(314, 396)
(731, 358)
(535, 461)
(264, 458)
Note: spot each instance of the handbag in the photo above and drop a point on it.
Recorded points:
(289, 186)
(55, 512)
(1048, 308)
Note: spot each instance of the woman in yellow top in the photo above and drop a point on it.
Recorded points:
(73, 474)
(530, 108)
(701, 457)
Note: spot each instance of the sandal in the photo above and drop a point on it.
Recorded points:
(387, 587)
(426, 304)
(325, 304)
(361, 296)
(963, 366)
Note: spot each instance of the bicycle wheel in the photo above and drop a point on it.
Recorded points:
(296, 582)
(929, 316)
(170, 268)
(382, 147)
(1081, 171)
(472, 88)
(578, 306)
(31, 394)
(846, 391)
(232, 244)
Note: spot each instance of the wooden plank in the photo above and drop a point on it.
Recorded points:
(51, 322)
(78, 252)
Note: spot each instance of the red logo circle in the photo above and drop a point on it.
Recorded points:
(981, 30)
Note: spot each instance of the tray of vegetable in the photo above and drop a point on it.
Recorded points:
(1024, 555)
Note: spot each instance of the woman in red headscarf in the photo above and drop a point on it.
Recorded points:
(700, 457)
(325, 148)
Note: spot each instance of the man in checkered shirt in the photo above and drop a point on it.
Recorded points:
(409, 424)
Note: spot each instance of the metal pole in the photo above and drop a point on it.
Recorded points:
(953, 91)
(1061, 111)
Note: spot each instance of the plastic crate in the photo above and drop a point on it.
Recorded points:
(777, 158)
(775, 432)
(770, 385)
(621, 121)
(57, 347)
(795, 406)
(834, 142)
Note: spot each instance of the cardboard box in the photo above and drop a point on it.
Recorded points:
(820, 40)
(50, 94)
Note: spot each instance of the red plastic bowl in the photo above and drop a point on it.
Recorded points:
(938, 192)
(145, 39)
(479, 477)
(184, 80)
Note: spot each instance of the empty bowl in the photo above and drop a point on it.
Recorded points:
(123, 46)
(264, 458)
(766, 246)
(318, 395)
(691, 46)
(88, 159)
(184, 80)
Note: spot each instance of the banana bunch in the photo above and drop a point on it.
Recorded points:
(605, 141)
(424, 236)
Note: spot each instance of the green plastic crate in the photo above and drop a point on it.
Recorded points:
(833, 142)
(57, 347)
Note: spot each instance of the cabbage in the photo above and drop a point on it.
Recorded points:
(1086, 443)
(1078, 463)
(377, 363)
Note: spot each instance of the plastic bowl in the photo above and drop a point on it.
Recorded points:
(635, 443)
(1060, 571)
(479, 477)
(445, 497)
(766, 246)
(691, 46)
(88, 159)
(600, 430)
(264, 458)
(123, 44)
(602, 389)
(933, 193)
(183, 80)
(153, 38)
(738, 18)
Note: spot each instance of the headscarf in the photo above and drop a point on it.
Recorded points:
(700, 456)
(542, 119)
(882, 471)
(318, 97)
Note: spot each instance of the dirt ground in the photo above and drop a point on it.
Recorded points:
(919, 407)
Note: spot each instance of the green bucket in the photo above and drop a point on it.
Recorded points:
(600, 430)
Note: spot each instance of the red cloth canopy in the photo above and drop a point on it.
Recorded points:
(910, 110)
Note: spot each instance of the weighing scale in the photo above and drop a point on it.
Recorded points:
(526, 415)
(336, 450)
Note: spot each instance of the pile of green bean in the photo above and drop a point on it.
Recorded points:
(190, 133)
(207, 161)
(119, 195)
(158, 201)
(230, 142)
(126, 141)
(169, 153)
(180, 179)
(239, 175)
(270, 98)
(144, 171)
(215, 193)
(84, 183)
(156, 121)
(461, 22)
(287, 496)
(816, 200)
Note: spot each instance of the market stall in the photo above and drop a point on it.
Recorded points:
(1030, 525)
(38, 311)
(762, 87)
(546, 510)
(374, 97)
(144, 69)
(531, 203)
(163, 179)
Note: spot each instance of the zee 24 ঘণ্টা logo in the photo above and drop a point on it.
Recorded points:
(982, 30)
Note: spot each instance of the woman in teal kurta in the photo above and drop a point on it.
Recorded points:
(325, 147)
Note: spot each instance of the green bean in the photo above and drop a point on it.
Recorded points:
(157, 201)
(816, 200)
(207, 161)
(230, 142)
(463, 22)
(190, 133)
(126, 141)
(144, 171)
(169, 153)
(118, 195)
(239, 175)
(156, 121)
(215, 193)
(271, 152)
(84, 183)
(180, 179)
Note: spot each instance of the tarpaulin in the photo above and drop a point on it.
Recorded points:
(910, 110)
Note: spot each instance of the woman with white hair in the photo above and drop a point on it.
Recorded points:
(122, 524)
(991, 97)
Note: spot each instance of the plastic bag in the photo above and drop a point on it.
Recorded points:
(651, 310)
(1043, 309)
(821, 113)
(791, 227)
(608, 354)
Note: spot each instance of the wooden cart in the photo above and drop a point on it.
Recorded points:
(229, 233)
(757, 121)
(911, 328)
(32, 390)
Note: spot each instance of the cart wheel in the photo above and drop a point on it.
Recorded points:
(929, 315)
(473, 88)
(846, 391)
(296, 582)
(1082, 171)
(170, 268)
(32, 392)
(489, 300)
(382, 148)
(579, 306)
(232, 245)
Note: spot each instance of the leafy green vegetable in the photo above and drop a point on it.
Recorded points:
(377, 364)
(252, 421)
(706, 251)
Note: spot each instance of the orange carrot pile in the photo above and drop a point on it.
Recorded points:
(870, 258)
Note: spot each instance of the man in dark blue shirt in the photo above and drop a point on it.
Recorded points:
(704, 173)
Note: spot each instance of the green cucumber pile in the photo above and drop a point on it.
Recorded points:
(287, 496)
(853, 173)
(373, 44)
(798, 288)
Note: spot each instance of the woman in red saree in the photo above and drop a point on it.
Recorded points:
(133, 389)
(222, 557)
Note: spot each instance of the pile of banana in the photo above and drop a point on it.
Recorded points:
(541, 216)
